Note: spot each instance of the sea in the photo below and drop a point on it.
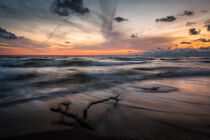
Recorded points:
(159, 96)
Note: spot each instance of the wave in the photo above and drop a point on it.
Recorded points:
(131, 58)
(62, 63)
(17, 75)
(159, 68)
(170, 59)
(78, 82)
(107, 80)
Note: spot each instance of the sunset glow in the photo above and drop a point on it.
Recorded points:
(105, 69)
(118, 30)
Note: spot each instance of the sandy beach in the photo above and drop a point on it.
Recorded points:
(159, 98)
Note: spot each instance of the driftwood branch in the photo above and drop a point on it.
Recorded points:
(97, 102)
(81, 121)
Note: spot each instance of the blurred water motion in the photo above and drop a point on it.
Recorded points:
(158, 94)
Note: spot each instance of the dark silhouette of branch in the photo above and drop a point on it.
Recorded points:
(63, 108)
(82, 122)
(97, 102)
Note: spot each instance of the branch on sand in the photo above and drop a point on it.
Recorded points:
(97, 102)
(63, 108)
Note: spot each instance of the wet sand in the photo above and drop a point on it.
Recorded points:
(159, 99)
(72, 134)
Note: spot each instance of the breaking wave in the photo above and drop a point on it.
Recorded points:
(61, 63)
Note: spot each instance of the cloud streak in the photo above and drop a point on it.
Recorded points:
(108, 9)
(22, 44)
(121, 41)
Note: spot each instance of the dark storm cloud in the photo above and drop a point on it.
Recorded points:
(188, 13)
(4, 34)
(202, 40)
(186, 43)
(193, 31)
(120, 19)
(68, 7)
(207, 24)
(190, 23)
(134, 36)
(166, 19)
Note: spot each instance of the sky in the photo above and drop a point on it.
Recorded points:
(103, 27)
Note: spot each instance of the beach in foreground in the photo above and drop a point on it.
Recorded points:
(159, 97)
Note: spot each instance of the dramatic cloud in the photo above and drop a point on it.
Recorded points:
(203, 40)
(188, 13)
(166, 19)
(120, 19)
(4, 34)
(186, 43)
(68, 7)
(190, 23)
(134, 36)
(193, 31)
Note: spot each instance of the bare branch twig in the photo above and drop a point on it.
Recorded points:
(82, 121)
(97, 102)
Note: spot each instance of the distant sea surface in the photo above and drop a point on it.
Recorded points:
(158, 95)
